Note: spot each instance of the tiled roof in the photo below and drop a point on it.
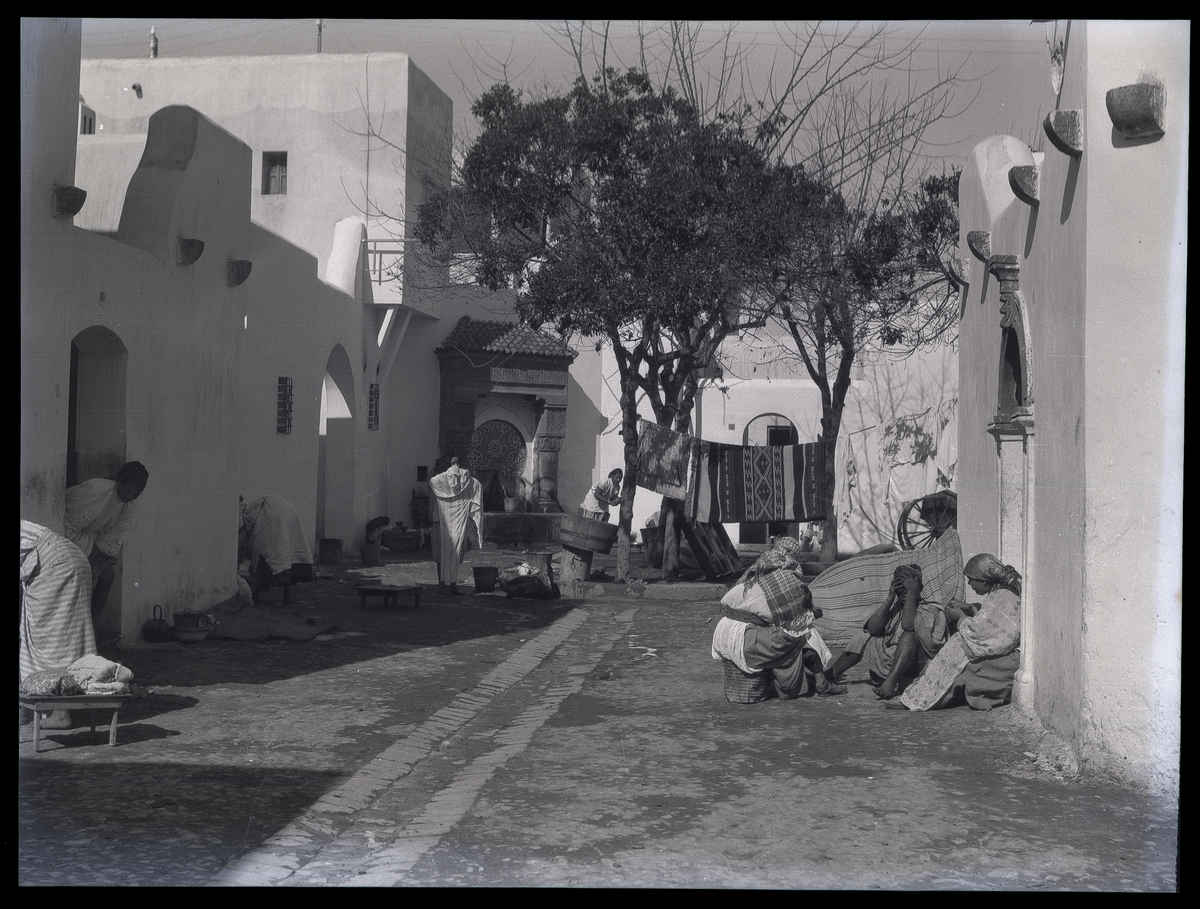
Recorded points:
(480, 336)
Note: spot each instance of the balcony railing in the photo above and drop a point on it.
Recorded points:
(385, 258)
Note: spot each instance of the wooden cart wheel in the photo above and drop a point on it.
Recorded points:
(924, 520)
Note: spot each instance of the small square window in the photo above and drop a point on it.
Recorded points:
(274, 174)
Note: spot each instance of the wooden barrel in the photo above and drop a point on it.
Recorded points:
(586, 534)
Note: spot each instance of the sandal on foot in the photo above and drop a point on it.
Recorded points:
(831, 690)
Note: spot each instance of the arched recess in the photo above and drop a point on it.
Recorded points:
(96, 410)
(768, 429)
(499, 459)
(336, 450)
(96, 427)
(1015, 388)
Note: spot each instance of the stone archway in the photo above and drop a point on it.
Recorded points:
(336, 448)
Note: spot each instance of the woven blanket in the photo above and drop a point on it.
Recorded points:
(757, 483)
(848, 592)
(664, 459)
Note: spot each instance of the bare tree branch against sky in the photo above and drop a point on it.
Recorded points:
(1002, 60)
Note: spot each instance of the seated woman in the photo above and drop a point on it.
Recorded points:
(979, 662)
(56, 616)
(766, 626)
(900, 638)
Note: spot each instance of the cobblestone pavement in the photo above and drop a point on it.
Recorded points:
(584, 742)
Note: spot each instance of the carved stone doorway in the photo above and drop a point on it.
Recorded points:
(498, 456)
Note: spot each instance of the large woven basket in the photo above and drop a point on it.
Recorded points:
(743, 688)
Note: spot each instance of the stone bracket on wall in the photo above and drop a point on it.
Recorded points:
(1064, 128)
(980, 244)
(237, 271)
(68, 200)
(1137, 110)
(188, 251)
(1025, 180)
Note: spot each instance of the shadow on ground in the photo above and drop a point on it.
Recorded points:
(178, 825)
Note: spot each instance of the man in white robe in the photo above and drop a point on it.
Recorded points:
(458, 497)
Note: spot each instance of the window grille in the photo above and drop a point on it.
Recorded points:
(283, 407)
(373, 407)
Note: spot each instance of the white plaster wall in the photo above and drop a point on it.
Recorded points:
(1137, 246)
(1101, 274)
(194, 345)
(316, 108)
(49, 102)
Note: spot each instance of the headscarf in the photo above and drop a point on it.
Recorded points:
(785, 554)
(989, 570)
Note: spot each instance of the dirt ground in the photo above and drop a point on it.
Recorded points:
(633, 772)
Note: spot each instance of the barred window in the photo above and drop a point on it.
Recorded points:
(283, 407)
(373, 407)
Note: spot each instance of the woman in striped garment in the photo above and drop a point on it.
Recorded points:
(56, 616)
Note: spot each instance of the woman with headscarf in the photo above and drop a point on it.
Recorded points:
(766, 626)
(979, 661)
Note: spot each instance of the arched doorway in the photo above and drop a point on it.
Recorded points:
(96, 428)
(96, 414)
(498, 457)
(336, 450)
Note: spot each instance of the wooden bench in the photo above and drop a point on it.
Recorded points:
(93, 702)
(389, 595)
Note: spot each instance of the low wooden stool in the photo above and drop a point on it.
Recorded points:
(389, 595)
(92, 702)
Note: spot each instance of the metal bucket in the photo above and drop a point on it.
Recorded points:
(330, 552)
(485, 578)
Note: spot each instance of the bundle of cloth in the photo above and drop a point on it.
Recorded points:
(528, 582)
(88, 675)
(767, 624)
(271, 534)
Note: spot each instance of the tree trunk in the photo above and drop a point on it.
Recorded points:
(670, 530)
(629, 417)
(829, 538)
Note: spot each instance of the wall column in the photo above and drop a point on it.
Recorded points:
(1014, 449)
(547, 444)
